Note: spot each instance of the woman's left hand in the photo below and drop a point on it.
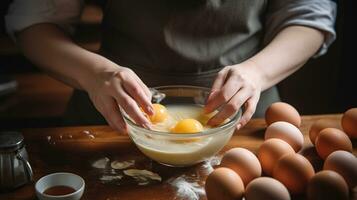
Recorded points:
(235, 86)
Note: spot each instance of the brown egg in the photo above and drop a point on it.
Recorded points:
(330, 140)
(349, 122)
(243, 162)
(310, 153)
(287, 132)
(294, 171)
(321, 124)
(224, 184)
(270, 152)
(266, 188)
(327, 185)
(280, 111)
(344, 163)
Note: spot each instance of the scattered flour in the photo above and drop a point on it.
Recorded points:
(108, 178)
(187, 187)
(210, 163)
(187, 190)
(143, 177)
(101, 163)
(122, 165)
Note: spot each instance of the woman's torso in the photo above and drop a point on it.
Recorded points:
(181, 38)
(170, 42)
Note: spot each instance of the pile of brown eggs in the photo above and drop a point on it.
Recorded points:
(324, 171)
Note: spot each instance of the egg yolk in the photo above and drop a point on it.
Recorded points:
(187, 126)
(160, 113)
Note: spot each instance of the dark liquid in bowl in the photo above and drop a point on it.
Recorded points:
(59, 190)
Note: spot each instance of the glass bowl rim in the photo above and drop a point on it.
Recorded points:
(210, 131)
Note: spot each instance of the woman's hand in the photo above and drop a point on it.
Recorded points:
(119, 86)
(235, 86)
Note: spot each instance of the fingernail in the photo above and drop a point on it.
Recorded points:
(147, 126)
(239, 126)
(210, 95)
(150, 109)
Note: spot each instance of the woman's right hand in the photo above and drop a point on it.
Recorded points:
(113, 86)
(108, 85)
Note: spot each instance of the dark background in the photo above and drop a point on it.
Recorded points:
(324, 85)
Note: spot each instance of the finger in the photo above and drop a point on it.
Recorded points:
(113, 125)
(218, 83)
(131, 108)
(231, 107)
(111, 113)
(115, 117)
(144, 87)
(228, 90)
(250, 107)
(134, 89)
(141, 83)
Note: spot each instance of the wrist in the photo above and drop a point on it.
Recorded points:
(254, 72)
(96, 68)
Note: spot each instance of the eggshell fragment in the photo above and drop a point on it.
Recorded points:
(327, 185)
(224, 184)
(281, 111)
(271, 151)
(349, 122)
(330, 140)
(287, 132)
(344, 163)
(243, 162)
(319, 125)
(266, 188)
(294, 171)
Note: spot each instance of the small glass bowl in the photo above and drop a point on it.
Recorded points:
(181, 150)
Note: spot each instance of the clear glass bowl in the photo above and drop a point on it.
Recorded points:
(181, 149)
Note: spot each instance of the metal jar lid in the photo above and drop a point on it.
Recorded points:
(11, 141)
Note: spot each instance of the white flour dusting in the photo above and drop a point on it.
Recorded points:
(101, 163)
(143, 177)
(122, 165)
(210, 163)
(108, 178)
(187, 190)
(187, 187)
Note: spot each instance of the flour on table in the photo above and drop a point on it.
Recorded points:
(109, 178)
(187, 190)
(188, 187)
(122, 165)
(143, 177)
(101, 163)
(210, 163)
(116, 172)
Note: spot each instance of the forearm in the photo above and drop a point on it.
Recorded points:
(285, 54)
(109, 86)
(50, 49)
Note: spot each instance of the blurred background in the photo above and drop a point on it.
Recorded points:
(30, 98)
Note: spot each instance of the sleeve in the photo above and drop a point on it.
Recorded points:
(319, 14)
(25, 13)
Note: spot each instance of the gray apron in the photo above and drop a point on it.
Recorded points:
(182, 42)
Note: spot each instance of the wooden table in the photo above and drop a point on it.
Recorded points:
(52, 150)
